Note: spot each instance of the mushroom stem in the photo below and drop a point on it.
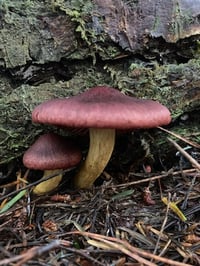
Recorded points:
(50, 184)
(101, 147)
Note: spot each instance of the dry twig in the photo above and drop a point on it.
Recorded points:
(33, 252)
(129, 250)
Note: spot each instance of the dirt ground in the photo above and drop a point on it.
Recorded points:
(144, 213)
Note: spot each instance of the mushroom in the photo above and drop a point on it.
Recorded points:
(51, 153)
(103, 110)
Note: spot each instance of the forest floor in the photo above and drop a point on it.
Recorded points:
(144, 215)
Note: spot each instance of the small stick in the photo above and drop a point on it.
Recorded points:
(186, 155)
(149, 179)
(192, 143)
(31, 253)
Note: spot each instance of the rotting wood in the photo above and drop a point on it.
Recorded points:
(35, 35)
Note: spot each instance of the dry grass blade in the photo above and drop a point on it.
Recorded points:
(129, 250)
(122, 247)
(137, 236)
(173, 206)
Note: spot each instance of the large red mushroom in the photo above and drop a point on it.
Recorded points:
(51, 153)
(103, 110)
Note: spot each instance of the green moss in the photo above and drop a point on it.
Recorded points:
(176, 86)
(77, 11)
(93, 38)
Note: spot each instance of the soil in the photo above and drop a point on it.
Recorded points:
(139, 212)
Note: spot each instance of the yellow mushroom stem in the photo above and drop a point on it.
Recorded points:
(102, 143)
(50, 184)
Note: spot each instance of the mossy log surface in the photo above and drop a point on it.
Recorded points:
(52, 49)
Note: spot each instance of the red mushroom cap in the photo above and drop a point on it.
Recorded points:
(102, 107)
(51, 151)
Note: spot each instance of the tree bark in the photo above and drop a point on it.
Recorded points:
(51, 49)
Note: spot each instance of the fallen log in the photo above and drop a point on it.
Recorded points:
(54, 49)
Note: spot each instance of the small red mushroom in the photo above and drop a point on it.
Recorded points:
(103, 110)
(51, 153)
